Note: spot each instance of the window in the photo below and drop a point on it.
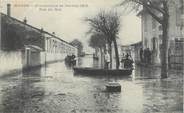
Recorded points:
(51, 45)
(154, 43)
(153, 23)
(48, 45)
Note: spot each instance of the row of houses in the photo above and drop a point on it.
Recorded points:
(23, 45)
(152, 35)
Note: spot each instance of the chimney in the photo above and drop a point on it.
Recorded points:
(25, 20)
(41, 29)
(53, 33)
(9, 9)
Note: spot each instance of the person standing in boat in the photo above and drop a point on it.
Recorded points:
(107, 60)
(141, 55)
(122, 61)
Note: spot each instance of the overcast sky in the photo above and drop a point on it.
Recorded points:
(68, 23)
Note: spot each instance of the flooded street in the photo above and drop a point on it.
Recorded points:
(54, 89)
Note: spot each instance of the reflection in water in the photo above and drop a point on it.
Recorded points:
(106, 102)
(146, 72)
(96, 63)
(146, 93)
(85, 61)
(24, 97)
(80, 61)
(54, 89)
(164, 95)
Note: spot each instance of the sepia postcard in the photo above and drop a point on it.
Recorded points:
(91, 56)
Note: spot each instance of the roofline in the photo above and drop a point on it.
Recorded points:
(37, 29)
(22, 22)
(57, 38)
(125, 45)
(141, 12)
(140, 42)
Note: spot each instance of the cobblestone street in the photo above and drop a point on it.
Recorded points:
(54, 89)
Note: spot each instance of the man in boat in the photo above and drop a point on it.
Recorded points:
(128, 62)
(141, 55)
(122, 61)
(107, 60)
(73, 60)
(149, 56)
(145, 55)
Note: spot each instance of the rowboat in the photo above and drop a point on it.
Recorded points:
(95, 71)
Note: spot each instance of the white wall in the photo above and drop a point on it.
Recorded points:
(51, 57)
(43, 58)
(10, 61)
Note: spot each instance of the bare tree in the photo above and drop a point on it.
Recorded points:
(97, 41)
(79, 46)
(158, 9)
(108, 24)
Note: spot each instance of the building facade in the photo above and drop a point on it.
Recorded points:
(152, 31)
(22, 45)
(57, 49)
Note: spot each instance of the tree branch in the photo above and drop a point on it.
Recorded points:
(154, 15)
(154, 6)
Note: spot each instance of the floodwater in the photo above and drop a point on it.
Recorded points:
(54, 89)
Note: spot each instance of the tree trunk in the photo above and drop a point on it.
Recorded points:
(110, 53)
(116, 53)
(101, 59)
(164, 51)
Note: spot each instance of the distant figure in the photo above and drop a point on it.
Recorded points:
(123, 55)
(148, 56)
(70, 60)
(141, 54)
(127, 56)
(130, 57)
(73, 56)
(128, 61)
(122, 61)
(107, 60)
(73, 60)
(145, 55)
